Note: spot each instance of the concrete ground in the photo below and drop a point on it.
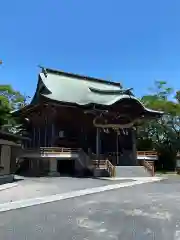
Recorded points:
(26, 188)
(141, 212)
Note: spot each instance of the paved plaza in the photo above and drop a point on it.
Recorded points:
(141, 211)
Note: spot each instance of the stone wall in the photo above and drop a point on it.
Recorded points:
(5, 159)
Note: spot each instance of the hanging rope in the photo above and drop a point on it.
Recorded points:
(107, 125)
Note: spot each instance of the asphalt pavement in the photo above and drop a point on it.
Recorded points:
(141, 212)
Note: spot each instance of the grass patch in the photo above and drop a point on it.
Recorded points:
(167, 172)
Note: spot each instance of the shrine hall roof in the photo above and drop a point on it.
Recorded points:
(81, 90)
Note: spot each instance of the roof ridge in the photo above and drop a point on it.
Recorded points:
(60, 72)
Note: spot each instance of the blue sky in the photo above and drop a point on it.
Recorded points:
(131, 41)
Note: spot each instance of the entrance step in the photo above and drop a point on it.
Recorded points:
(131, 171)
(98, 172)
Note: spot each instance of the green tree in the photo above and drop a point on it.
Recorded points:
(10, 100)
(162, 134)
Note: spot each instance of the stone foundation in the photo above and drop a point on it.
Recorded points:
(53, 168)
(6, 178)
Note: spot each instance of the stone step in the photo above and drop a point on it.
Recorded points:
(100, 172)
(131, 171)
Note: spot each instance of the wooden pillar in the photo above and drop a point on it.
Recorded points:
(134, 149)
(117, 148)
(53, 118)
(34, 137)
(98, 143)
(45, 133)
(24, 144)
(39, 137)
(52, 134)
